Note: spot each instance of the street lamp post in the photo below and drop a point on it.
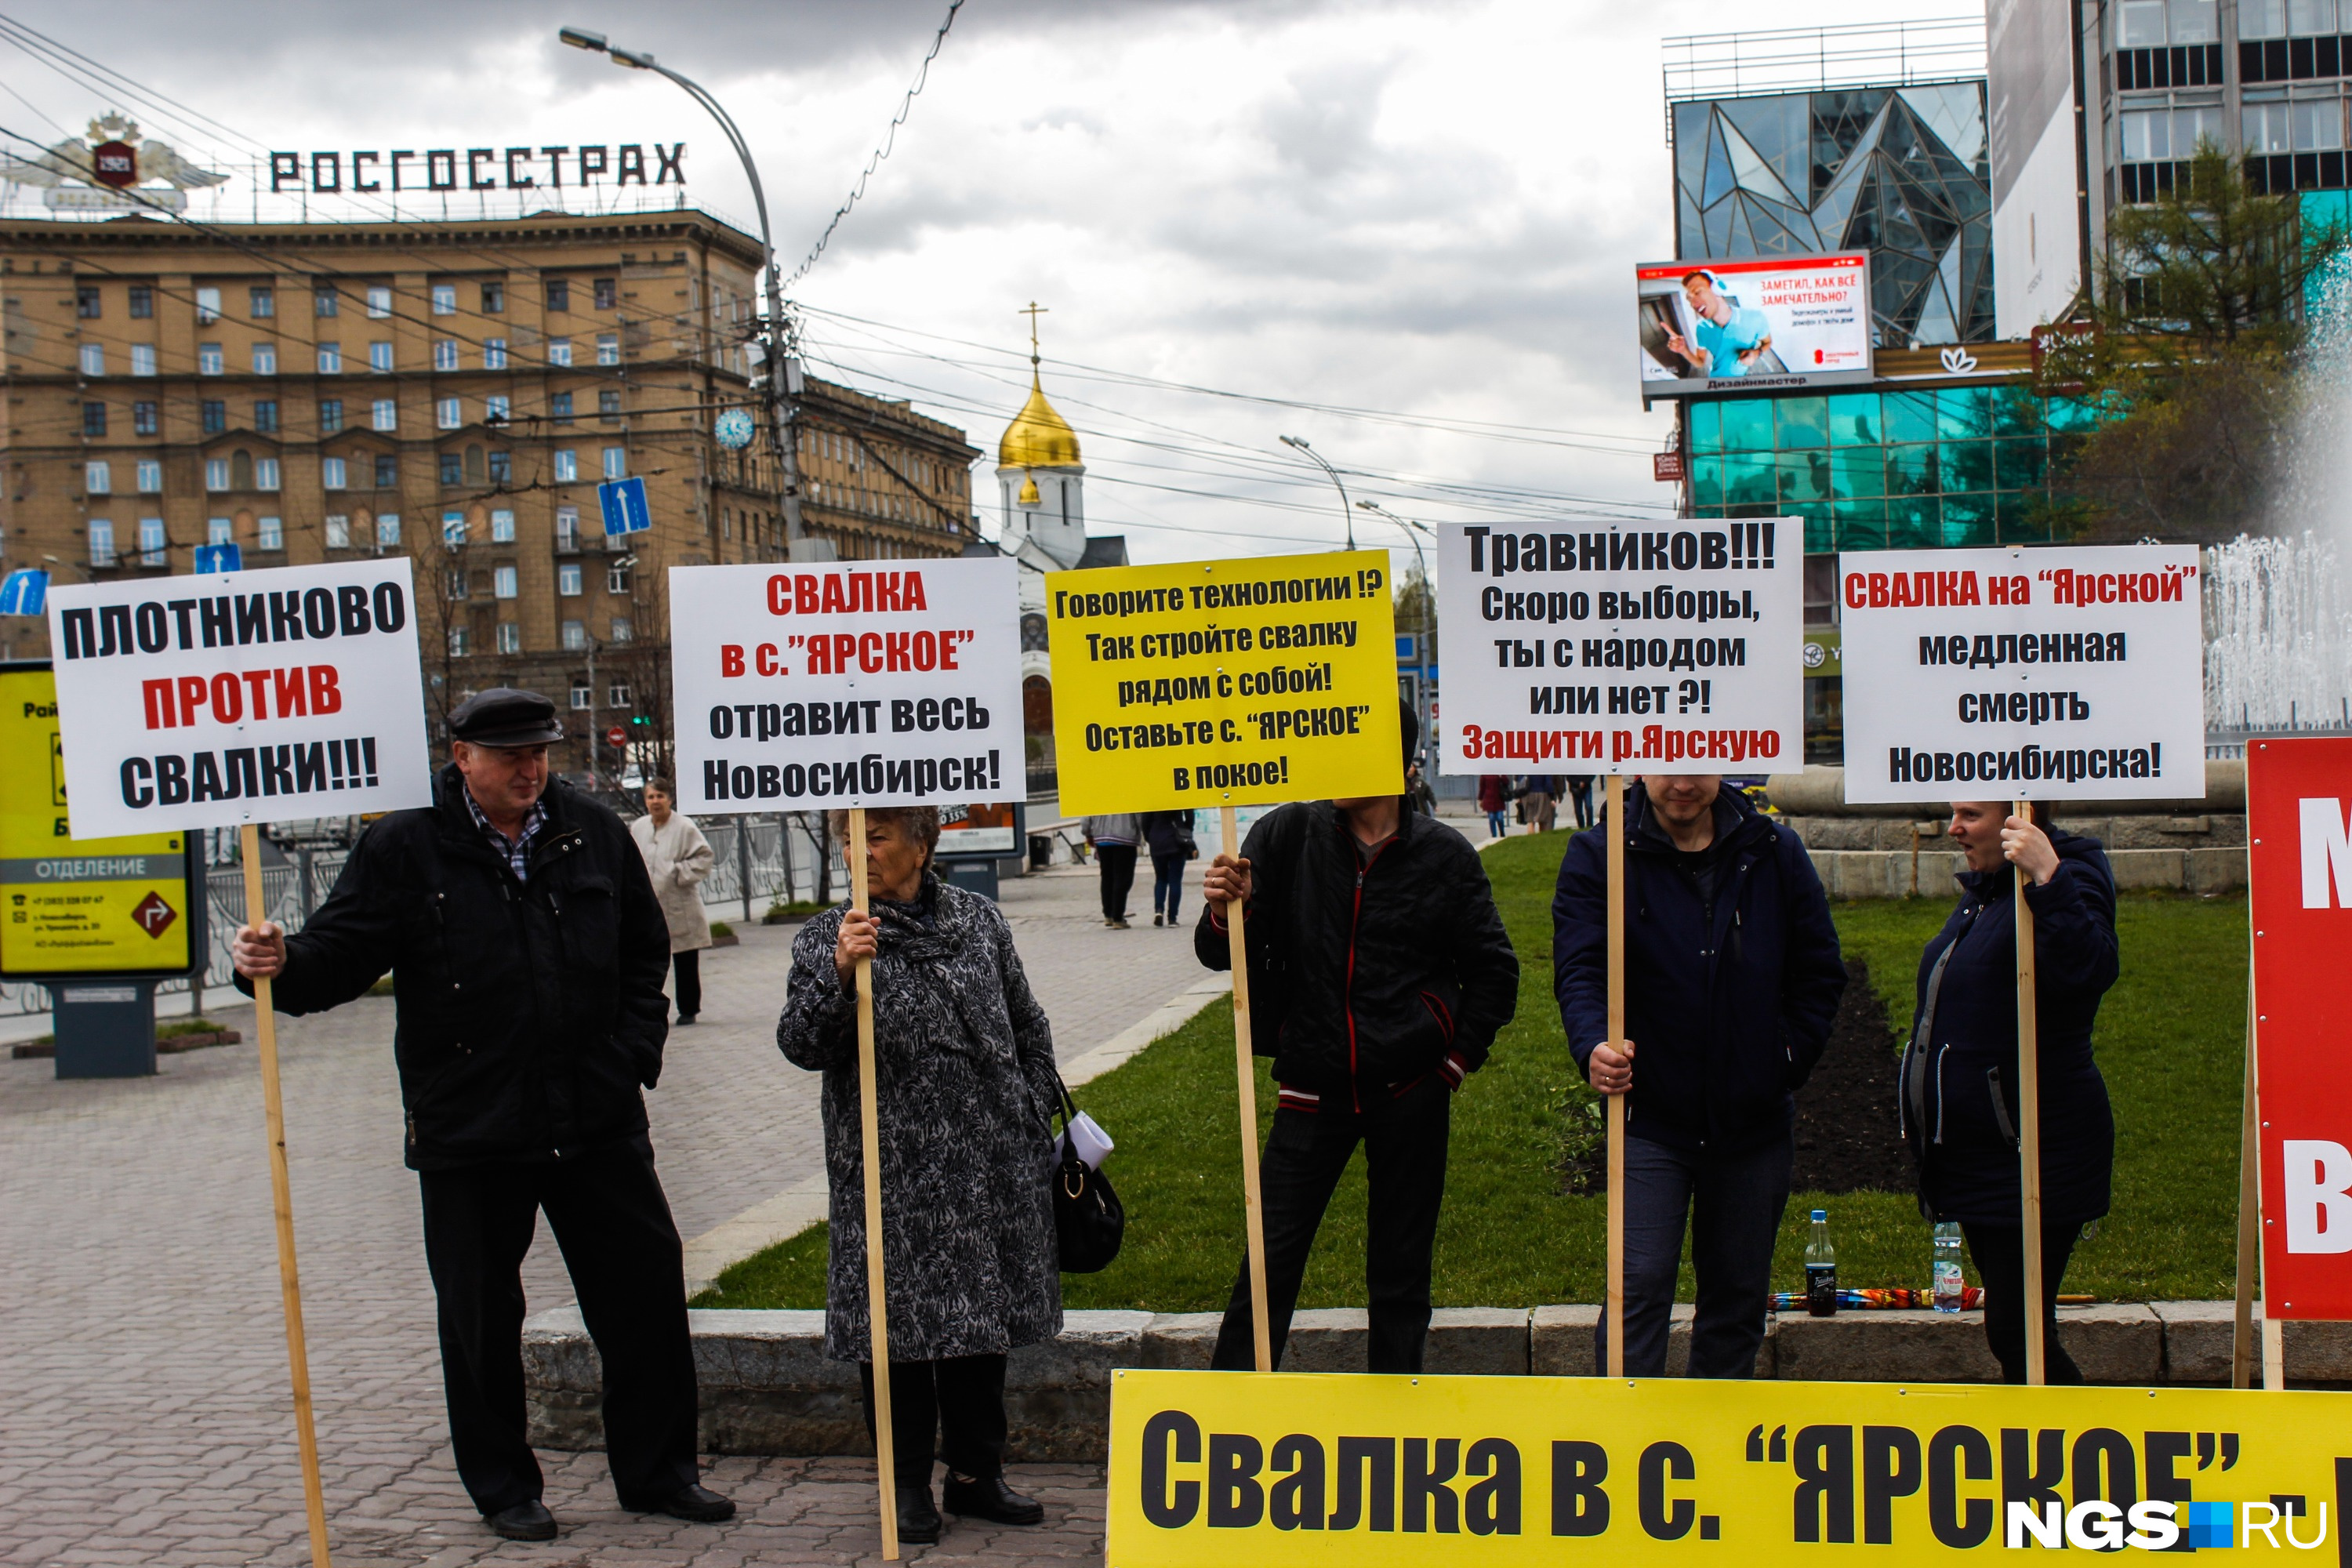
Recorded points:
(1412, 531)
(1349, 515)
(783, 411)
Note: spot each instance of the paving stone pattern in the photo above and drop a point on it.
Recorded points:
(146, 1418)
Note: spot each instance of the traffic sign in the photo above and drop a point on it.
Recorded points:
(622, 503)
(212, 558)
(24, 592)
(616, 736)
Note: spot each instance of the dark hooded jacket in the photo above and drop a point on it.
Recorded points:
(529, 1013)
(1727, 1015)
(1959, 1070)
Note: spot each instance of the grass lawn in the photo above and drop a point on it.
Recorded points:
(2171, 1037)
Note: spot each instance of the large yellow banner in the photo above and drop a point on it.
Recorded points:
(1217, 683)
(1427, 1472)
(76, 906)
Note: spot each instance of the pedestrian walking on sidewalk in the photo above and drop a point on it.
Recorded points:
(526, 949)
(678, 857)
(1579, 794)
(1494, 801)
(1115, 837)
(964, 1085)
(1379, 974)
(1168, 835)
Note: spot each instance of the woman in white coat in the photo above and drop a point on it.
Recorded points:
(676, 858)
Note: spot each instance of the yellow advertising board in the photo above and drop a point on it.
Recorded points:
(72, 907)
(1428, 1472)
(1213, 683)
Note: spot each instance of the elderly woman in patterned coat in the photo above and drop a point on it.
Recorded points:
(965, 1086)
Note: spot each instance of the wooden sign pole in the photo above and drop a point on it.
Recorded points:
(281, 1193)
(1614, 825)
(1245, 1073)
(2029, 1106)
(2250, 1207)
(878, 1312)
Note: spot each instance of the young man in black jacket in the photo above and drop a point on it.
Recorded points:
(1379, 974)
(528, 953)
(1732, 980)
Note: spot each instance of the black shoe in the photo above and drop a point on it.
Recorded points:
(918, 1522)
(695, 1504)
(991, 1498)
(1156, 920)
(523, 1522)
(684, 1019)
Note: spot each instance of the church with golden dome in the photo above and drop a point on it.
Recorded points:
(1041, 483)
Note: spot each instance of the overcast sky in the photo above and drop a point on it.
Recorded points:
(1422, 208)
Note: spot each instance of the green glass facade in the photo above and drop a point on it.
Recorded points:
(1940, 467)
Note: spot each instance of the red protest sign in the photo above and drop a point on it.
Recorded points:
(2299, 801)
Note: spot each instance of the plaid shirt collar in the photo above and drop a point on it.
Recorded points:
(515, 851)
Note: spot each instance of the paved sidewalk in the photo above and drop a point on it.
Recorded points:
(146, 1418)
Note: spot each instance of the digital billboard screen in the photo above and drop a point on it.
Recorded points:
(1758, 324)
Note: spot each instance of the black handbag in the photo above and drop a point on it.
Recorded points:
(1088, 1220)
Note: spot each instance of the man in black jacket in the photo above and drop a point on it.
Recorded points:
(1379, 974)
(528, 952)
(1732, 980)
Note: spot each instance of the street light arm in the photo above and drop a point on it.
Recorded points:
(1346, 510)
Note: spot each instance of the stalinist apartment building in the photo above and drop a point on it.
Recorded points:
(453, 391)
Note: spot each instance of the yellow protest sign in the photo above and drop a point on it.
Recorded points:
(76, 906)
(1213, 683)
(1429, 1472)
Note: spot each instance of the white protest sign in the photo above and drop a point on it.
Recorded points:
(1623, 648)
(2043, 674)
(850, 684)
(246, 697)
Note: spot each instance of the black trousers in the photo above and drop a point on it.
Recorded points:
(606, 1209)
(1731, 1205)
(1998, 1251)
(1117, 862)
(685, 980)
(1579, 792)
(1404, 1160)
(958, 1403)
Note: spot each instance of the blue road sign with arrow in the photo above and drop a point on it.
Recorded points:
(622, 503)
(24, 592)
(219, 558)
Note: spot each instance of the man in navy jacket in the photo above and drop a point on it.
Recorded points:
(1732, 980)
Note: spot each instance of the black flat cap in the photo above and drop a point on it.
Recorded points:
(505, 717)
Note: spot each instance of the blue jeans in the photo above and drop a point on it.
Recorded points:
(1497, 821)
(1166, 884)
(1733, 1204)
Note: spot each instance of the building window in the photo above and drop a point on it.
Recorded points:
(143, 303)
(501, 467)
(461, 642)
(213, 414)
(501, 526)
(265, 359)
(567, 466)
(583, 694)
(270, 533)
(616, 579)
(208, 307)
(608, 294)
(444, 355)
(98, 479)
(567, 527)
(559, 407)
(616, 462)
(330, 415)
(264, 413)
(496, 409)
(324, 301)
(101, 541)
(494, 298)
(387, 471)
(220, 531)
(240, 469)
(93, 359)
(445, 299)
(494, 353)
(608, 348)
(453, 468)
(93, 418)
(617, 694)
(505, 582)
(447, 414)
(331, 473)
(380, 358)
(384, 414)
(150, 542)
(337, 528)
(608, 403)
(143, 359)
(2317, 125)
(151, 478)
(379, 302)
(575, 636)
(510, 635)
(453, 584)
(453, 533)
(265, 473)
(387, 531)
(559, 294)
(330, 359)
(559, 351)
(264, 302)
(568, 579)
(210, 360)
(622, 631)
(86, 303)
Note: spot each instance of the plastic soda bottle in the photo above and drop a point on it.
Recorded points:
(1948, 1267)
(1820, 1269)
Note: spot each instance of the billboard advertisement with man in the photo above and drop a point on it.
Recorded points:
(1763, 323)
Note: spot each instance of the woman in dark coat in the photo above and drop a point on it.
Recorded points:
(1959, 1072)
(965, 1081)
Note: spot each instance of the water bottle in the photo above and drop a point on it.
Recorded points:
(1948, 1267)
(1820, 1269)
